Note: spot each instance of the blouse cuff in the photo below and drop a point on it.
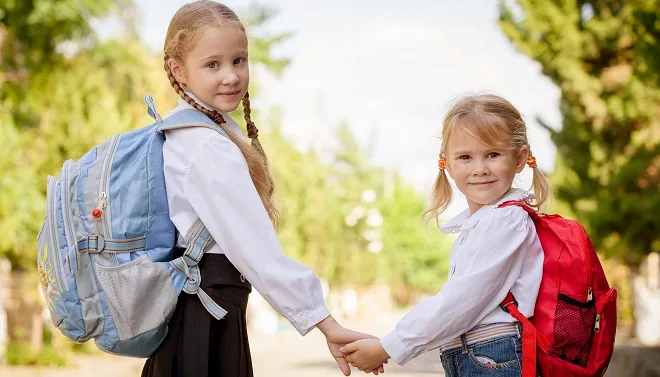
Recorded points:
(304, 323)
(394, 347)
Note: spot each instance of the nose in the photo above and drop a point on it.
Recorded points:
(230, 77)
(480, 168)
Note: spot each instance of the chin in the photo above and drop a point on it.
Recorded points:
(483, 200)
(225, 107)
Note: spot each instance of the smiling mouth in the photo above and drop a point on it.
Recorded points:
(481, 183)
(229, 94)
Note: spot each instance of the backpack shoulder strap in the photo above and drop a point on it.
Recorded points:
(188, 118)
(531, 337)
(519, 203)
(151, 108)
(198, 237)
(199, 241)
(181, 119)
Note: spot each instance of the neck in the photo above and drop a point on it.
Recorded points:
(194, 97)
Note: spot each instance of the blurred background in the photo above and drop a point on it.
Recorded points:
(349, 97)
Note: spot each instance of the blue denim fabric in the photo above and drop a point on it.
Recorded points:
(498, 357)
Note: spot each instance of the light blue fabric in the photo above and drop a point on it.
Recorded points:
(106, 247)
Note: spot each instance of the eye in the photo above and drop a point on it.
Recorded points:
(240, 60)
(212, 65)
(493, 155)
(464, 157)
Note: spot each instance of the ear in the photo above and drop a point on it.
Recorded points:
(178, 70)
(448, 167)
(521, 159)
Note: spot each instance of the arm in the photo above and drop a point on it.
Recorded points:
(338, 336)
(219, 188)
(466, 299)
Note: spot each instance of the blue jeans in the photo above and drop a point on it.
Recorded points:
(498, 357)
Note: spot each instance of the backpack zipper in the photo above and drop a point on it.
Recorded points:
(104, 187)
(66, 211)
(54, 250)
(601, 305)
(587, 261)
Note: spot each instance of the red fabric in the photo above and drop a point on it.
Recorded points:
(571, 270)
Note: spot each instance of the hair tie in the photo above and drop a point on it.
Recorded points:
(442, 162)
(531, 161)
(217, 117)
(252, 131)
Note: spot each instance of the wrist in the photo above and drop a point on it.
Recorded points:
(381, 352)
(327, 324)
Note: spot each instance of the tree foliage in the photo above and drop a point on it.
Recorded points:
(605, 58)
(67, 91)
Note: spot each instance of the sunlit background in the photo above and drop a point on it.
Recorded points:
(349, 97)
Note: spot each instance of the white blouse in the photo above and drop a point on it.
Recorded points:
(497, 250)
(207, 177)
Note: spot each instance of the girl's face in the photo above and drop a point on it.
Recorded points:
(482, 173)
(216, 70)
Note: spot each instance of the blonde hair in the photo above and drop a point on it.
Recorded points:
(495, 122)
(184, 31)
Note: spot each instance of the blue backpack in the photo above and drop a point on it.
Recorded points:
(105, 250)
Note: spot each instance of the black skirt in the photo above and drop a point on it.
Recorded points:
(198, 345)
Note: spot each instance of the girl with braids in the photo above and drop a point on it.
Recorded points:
(484, 146)
(224, 180)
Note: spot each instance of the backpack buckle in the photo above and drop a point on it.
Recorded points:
(508, 300)
(92, 243)
(505, 306)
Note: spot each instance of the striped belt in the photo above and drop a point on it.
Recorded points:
(480, 334)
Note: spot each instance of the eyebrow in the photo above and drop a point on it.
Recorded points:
(489, 150)
(216, 56)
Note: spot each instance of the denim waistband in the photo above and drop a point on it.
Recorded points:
(481, 333)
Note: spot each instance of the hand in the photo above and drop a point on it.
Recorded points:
(337, 336)
(365, 354)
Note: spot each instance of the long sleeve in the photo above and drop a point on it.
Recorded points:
(487, 269)
(219, 189)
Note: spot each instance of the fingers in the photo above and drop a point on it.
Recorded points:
(340, 334)
(366, 336)
(350, 347)
(343, 365)
(378, 370)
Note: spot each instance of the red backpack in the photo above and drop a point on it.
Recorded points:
(572, 331)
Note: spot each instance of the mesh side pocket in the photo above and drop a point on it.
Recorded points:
(573, 330)
(140, 294)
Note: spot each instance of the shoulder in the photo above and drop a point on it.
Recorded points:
(506, 220)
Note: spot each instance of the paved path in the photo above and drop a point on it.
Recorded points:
(288, 354)
(284, 354)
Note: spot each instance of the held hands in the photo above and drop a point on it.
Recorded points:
(365, 354)
(338, 336)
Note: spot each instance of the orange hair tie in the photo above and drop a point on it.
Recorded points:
(531, 161)
(442, 162)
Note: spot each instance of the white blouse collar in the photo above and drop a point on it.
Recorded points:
(183, 105)
(464, 220)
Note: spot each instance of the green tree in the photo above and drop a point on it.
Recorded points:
(93, 89)
(32, 31)
(411, 260)
(605, 58)
(30, 34)
(63, 91)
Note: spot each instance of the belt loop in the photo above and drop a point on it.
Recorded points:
(464, 346)
(518, 330)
